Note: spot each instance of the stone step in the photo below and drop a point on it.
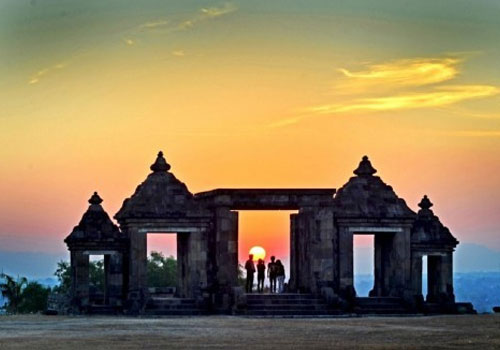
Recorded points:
(378, 300)
(279, 296)
(283, 301)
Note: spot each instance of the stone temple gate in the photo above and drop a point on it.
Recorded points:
(321, 249)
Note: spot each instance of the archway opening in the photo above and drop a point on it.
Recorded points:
(270, 230)
(97, 279)
(363, 261)
(162, 272)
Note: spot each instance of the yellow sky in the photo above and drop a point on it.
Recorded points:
(240, 95)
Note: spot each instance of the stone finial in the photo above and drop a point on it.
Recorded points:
(365, 168)
(425, 203)
(95, 199)
(160, 165)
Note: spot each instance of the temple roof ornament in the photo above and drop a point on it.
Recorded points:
(95, 199)
(425, 203)
(365, 168)
(160, 165)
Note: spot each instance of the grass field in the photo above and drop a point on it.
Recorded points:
(78, 333)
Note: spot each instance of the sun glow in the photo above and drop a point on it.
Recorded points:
(258, 253)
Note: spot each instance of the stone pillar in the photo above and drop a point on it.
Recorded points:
(137, 283)
(447, 276)
(380, 243)
(294, 250)
(226, 245)
(416, 274)
(397, 271)
(321, 253)
(302, 256)
(114, 279)
(80, 279)
(182, 264)
(345, 263)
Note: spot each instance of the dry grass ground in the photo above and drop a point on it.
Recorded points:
(79, 333)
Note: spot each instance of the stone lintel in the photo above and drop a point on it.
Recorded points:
(100, 252)
(267, 198)
(170, 229)
(369, 230)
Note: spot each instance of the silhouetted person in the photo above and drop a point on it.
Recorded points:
(280, 275)
(271, 273)
(261, 268)
(250, 267)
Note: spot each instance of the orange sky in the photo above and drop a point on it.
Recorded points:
(246, 95)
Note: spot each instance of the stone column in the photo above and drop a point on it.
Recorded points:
(345, 263)
(379, 246)
(80, 279)
(294, 249)
(447, 276)
(114, 278)
(182, 265)
(321, 254)
(398, 269)
(302, 252)
(137, 283)
(226, 245)
(416, 274)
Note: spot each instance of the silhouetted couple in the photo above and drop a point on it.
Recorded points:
(275, 273)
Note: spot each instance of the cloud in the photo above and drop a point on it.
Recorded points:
(206, 14)
(398, 85)
(129, 42)
(171, 26)
(212, 12)
(35, 78)
(154, 24)
(178, 53)
(404, 72)
(439, 97)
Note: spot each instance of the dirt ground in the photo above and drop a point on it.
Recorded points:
(227, 332)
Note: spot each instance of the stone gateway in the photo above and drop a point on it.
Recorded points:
(321, 250)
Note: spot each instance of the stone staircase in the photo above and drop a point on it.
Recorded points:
(380, 306)
(169, 306)
(286, 305)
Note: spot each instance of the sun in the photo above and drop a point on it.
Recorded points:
(258, 253)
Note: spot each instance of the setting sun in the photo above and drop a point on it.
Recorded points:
(258, 253)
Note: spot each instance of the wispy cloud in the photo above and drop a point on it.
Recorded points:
(439, 97)
(35, 78)
(178, 53)
(207, 13)
(403, 72)
(154, 24)
(203, 14)
(398, 85)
